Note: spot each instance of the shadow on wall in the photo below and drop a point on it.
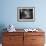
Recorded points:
(2, 26)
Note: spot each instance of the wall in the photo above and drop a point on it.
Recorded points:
(8, 13)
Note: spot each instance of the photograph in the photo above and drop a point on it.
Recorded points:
(25, 14)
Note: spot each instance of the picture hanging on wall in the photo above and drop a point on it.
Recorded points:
(26, 14)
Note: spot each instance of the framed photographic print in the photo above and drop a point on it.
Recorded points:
(26, 14)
